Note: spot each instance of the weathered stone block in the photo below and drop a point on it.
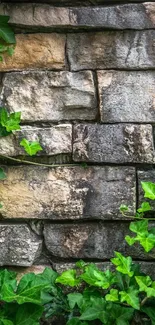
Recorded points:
(127, 96)
(119, 143)
(112, 49)
(134, 16)
(145, 176)
(94, 241)
(54, 140)
(18, 245)
(35, 51)
(67, 193)
(50, 96)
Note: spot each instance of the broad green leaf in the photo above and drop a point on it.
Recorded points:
(76, 321)
(123, 264)
(149, 190)
(131, 297)
(6, 32)
(75, 298)
(112, 296)
(121, 315)
(68, 278)
(31, 147)
(96, 311)
(95, 277)
(144, 282)
(10, 121)
(130, 240)
(147, 242)
(145, 206)
(139, 227)
(28, 314)
(6, 321)
(149, 311)
(2, 174)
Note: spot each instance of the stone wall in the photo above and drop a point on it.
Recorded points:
(83, 76)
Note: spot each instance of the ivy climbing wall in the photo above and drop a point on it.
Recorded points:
(83, 76)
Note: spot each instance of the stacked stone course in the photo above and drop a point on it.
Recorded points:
(83, 76)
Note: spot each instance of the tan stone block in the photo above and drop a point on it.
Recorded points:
(34, 51)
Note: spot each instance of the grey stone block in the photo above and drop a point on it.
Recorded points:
(50, 96)
(67, 193)
(118, 143)
(112, 50)
(93, 241)
(127, 96)
(19, 246)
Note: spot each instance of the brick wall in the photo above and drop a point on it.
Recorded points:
(84, 79)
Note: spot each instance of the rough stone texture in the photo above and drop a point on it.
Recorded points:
(91, 241)
(121, 143)
(18, 245)
(35, 51)
(67, 193)
(81, 2)
(145, 175)
(54, 140)
(112, 49)
(127, 16)
(50, 96)
(127, 96)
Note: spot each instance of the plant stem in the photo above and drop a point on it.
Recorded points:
(38, 164)
(144, 301)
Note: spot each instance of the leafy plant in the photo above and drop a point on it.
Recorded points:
(31, 147)
(7, 37)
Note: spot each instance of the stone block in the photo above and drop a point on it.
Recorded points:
(67, 193)
(117, 143)
(112, 50)
(36, 51)
(50, 96)
(19, 246)
(91, 241)
(127, 96)
(124, 16)
(53, 140)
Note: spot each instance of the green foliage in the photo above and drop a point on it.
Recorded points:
(144, 236)
(31, 147)
(9, 122)
(7, 37)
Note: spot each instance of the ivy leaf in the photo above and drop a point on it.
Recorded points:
(149, 190)
(147, 242)
(123, 264)
(68, 278)
(144, 282)
(121, 315)
(149, 311)
(81, 264)
(96, 311)
(139, 227)
(130, 240)
(131, 297)
(10, 121)
(95, 277)
(28, 314)
(75, 298)
(2, 174)
(5, 321)
(6, 32)
(145, 206)
(31, 147)
(112, 296)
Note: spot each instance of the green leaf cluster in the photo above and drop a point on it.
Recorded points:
(7, 37)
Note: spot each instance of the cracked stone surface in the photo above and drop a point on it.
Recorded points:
(50, 96)
(18, 245)
(91, 241)
(127, 96)
(127, 16)
(36, 51)
(112, 49)
(53, 140)
(67, 193)
(119, 143)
